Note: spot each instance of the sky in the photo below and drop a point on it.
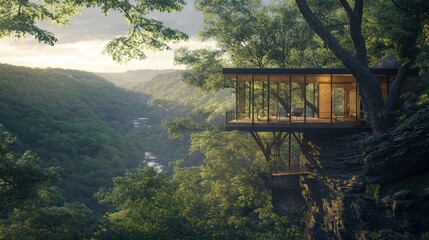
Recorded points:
(80, 44)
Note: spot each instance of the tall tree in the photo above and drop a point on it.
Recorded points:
(21, 17)
(22, 178)
(30, 206)
(222, 199)
(259, 35)
(356, 59)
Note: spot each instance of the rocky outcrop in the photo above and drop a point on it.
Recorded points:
(286, 193)
(342, 192)
(425, 194)
(401, 153)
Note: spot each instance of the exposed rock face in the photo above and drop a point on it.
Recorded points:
(425, 194)
(341, 198)
(400, 154)
(286, 193)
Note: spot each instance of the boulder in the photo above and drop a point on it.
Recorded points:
(402, 206)
(425, 194)
(402, 195)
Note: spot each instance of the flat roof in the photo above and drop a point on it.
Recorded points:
(288, 71)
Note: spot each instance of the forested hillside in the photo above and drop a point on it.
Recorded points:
(86, 126)
(75, 120)
(171, 98)
(127, 78)
(169, 91)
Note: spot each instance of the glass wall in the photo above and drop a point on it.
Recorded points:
(344, 98)
(297, 98)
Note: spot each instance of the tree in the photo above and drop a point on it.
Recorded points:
(33, 221)
(236, 204)
(146, 206)
(356, 60)
(253, 34)
(222, 199)
(204, 68)
(21, 179)
(30, 205)
(21, 17)
(190, 122)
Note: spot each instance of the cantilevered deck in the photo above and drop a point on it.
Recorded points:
(302, 100)
(295, 124)
(277, 105)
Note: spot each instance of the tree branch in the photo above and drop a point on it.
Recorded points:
(403, 9)
(395, 89)
(346, 7)
(369, 85)
(343, 54)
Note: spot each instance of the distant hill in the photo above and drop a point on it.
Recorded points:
(75, 120)
(130, 77)
(171, 97)
(170, 92)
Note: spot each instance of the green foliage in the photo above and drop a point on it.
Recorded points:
(70, 221)
(395, 28)
(176, 97)
(423, 63)
(174, 101)
(23, 17)
(414, 102)
(375, 235)
(21, 178)
(204, 68)
(374, 190)
(30, 206)
(222, 199)
(234, 191)
(415, 184)
(424, 236)
(190, 122)
(20, 17)
(74, 120)
(253, 34)
(145, 206)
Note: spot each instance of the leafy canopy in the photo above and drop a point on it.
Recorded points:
(22, 17)
(224, 198)
(21, 178)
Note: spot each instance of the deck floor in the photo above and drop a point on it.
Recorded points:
(298, 124)
(338, 119)
(279, 174)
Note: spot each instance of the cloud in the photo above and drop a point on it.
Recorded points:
(93, 25)
(86, 55)
(80, 44)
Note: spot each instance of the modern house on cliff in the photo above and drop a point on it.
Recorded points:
(288, 102)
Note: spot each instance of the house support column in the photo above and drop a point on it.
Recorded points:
(271, 148)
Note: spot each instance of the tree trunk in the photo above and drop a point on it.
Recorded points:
(308, 103)
(282, 101)
(369, 86)
(395, 88)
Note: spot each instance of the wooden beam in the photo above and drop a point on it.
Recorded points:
(261, 146)
(253, 100)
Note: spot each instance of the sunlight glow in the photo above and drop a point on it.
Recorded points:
(85, 55)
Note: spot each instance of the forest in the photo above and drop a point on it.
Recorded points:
(66, 134)
(72, 158)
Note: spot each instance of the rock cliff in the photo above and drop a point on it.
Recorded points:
(354, 190)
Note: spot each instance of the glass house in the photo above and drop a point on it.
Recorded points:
(302, 100)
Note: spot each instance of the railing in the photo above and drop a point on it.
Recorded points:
(284, 169)
(321, 117)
